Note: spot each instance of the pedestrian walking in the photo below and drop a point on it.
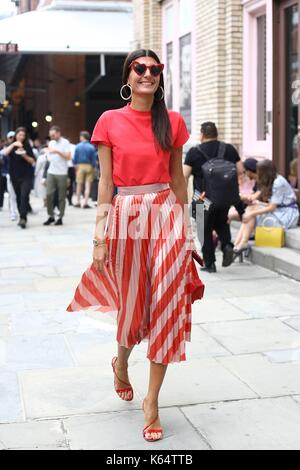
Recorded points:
(39, 183)
(276, 206)
(3, 183)
(12, 199)
(142, 269)
(71, 176)
(44, 182)
(85, 158)
(215, 166)
(59, 154)
(21, 162)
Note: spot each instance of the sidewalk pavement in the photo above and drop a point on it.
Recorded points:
(239, 389)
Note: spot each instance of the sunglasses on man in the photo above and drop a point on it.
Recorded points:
(140, 69)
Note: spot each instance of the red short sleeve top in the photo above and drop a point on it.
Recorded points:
(136, 160)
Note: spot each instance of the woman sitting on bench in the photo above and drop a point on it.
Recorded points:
(276, 206)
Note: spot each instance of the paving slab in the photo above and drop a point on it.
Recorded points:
(4, 330)
(41, 301)
(93, 349)
(28, 273)
(10, 287)
(293, 322)
(217, 290)
(267, 379)
(270, 424)
(241, 337)
(10, 401)
(8, 310)
(46, 322)
(215, 310)
(56, 285)
(35, 352)
(208, 382)
(11, 300)
(246, 271)
(203, 346)
(264, 306)
(254, 287)
(4, 321)
(72, 391)
(288, 355)
(72, 269)
(40, 435)
(84, 433)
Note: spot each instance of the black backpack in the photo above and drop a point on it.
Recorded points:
(220, 179)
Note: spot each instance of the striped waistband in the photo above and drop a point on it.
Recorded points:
(143, 189)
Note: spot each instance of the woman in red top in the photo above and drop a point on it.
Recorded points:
(142, 266)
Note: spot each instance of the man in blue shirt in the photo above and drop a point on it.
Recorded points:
(84, 159)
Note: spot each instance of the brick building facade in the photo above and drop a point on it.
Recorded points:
(216, 29)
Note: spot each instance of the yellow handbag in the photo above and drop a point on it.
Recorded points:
(273, 237)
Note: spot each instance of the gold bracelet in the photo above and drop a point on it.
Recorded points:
(98, 242)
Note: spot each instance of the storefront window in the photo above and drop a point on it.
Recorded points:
(177, 29)
(186, 79)
(169, 76)
(185, 16)
(169, 24)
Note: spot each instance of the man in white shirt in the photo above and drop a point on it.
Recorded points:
(59, 153)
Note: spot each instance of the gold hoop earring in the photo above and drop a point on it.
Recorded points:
(162, 94)
(121, 92)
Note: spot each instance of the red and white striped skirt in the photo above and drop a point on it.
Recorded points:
(150, 280)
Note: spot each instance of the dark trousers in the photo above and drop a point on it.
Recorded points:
(56, 183)
(215, 220)
(3, 188)
(71, 178)
(22, 189)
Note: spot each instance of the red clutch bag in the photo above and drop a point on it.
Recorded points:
(197, 258)
(197, 286)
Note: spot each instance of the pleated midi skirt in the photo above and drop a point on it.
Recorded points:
(150, 280)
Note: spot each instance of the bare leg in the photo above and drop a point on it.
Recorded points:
(78, 192)
(87, 192)
(245, 231)
(248, 229)
(245, 234)
(157, 375)
(239, 236)
(121, 367)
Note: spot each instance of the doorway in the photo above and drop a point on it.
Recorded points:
(287, 89)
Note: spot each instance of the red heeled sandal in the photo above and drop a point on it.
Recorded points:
(147, 430)
(126, 390)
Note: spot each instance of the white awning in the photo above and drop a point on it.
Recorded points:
(65, 31)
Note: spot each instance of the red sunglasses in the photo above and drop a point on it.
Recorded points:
(140, 69)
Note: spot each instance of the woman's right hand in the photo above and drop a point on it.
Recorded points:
(18, 144)
(100, 256)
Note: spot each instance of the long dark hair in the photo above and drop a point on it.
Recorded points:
(266, 175)
(26, 143)
(161, 125)
(18, 130)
